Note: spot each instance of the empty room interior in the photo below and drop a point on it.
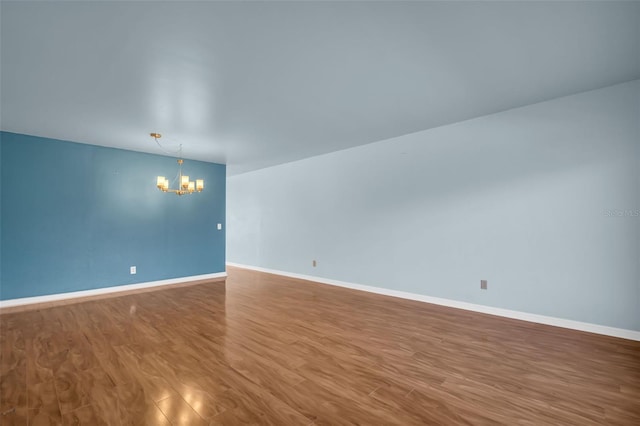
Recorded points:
(319, 212)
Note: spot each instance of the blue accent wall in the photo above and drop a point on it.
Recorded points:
(76, 217)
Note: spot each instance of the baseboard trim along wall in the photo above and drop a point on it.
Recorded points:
(524, 316)
(50, 300)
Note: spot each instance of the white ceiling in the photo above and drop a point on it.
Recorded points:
(257, 84)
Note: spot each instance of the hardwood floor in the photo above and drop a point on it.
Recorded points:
(264, 349)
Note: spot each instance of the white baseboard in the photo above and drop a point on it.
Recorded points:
(524, 316)
(106, 290)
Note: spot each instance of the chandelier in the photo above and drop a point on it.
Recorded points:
(185, 186)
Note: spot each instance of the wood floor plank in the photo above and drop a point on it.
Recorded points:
(179, 412)
(41, 394)
(13, 387)
(14, 417)
(135, 407)
(86, 415)
(263, 349)
(45, 415)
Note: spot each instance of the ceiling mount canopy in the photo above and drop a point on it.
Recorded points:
(185, 186)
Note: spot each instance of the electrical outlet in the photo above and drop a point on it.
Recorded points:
(483, 284)
(132, 270)
(314, 263)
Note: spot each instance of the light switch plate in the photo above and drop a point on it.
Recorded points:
(219, 226)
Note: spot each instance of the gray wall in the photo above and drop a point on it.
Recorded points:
(542, 201)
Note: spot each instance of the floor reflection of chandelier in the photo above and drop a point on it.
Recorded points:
(185, 186)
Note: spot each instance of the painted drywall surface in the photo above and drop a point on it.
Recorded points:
(76, 217)
(0, 215)
(541, 201)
